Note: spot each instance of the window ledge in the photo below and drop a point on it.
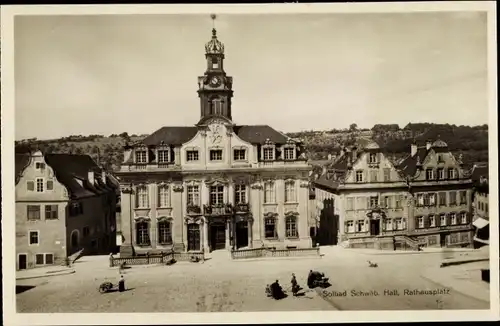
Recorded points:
(293, 238)
(291, 203)
(272, 239)
(269, 204)
(143, 245)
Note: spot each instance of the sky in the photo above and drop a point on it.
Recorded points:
(81, 75)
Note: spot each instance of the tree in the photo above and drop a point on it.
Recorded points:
(353, 127)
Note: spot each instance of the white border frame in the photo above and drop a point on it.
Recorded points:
(8, 190)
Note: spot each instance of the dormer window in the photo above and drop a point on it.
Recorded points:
(289, 153)
(429, 174)
(141, 156)
(239, 154)
(192, 155)
(451, 173)
(268, 153)
(373, 158)
(40, 165)
(216, 155)
(163, 156)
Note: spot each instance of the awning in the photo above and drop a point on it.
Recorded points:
(480, 223)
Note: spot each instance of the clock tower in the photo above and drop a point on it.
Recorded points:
(215, 87)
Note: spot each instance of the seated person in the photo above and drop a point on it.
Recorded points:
(276, 291)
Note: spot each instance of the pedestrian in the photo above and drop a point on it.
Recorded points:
(121, 284)
(295, 287)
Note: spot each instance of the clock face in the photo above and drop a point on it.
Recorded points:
(214, 81)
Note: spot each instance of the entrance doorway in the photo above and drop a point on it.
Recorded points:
(241, 234)
(217, 236)
(442, 239)
(23, 261)
(374, 227)
(193, 237)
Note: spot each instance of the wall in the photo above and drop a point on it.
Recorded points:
(51, 232)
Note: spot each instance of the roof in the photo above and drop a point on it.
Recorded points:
(21, 162)
(439, 143)
(72, 171)
(257, 134)
(324, 182)
(409, 165)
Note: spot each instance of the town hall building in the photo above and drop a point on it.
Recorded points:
(214, 185)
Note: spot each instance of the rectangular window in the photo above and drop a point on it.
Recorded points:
(442, 220)
(373, 201)
(51, 212)
(420, 200)
(33, 212)
(442, 199)
(50, 185)
(350, 226)
(291, 227)
(486, 208)
(463, 197)
(269, 195)
(453, 197)
(451, 173)
(289, 153)
(240, 194)
(440, 174)
(216, 195)
(387, 202)
(163, 196)
(49, 259)
(453, 219)
(420, 222)
(33, 238)
(142, 234)
(360, 226)
(388, 224)
(350, 204)
(374, 176)
(193, 195)
(30, 185)
(192, 156)
(290, 192)
(359, 176)
(165, 232)
(39, 165)
(163, 156)
(268, 154)
(463, 218)
(39, 185)
(270, 228)
(429, 174)
(373, 158)
(432, 221)
(39, 259)
(239, 155)
(399, 224)
(142, 197)
(387, 174)
(399, 201)
(141, 157)
(216, 155)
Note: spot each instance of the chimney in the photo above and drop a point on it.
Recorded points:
(91, 177)
(103, 176)
(414, 149)
(428, 144)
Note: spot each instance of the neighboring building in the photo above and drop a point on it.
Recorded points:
(216, 184)
(481, 205)
(423, 201)
(64, 203)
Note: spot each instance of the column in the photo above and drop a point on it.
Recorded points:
(205, 236)
(250, 245)
(184, 235)
(228, 234)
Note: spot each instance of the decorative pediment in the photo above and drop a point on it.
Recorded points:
(290, 142)
(256, 186)
(178, 187)
(193, 220)
(140, 146)
(126, 189)
(268, 142)
(271, 215)
(241, 180)
(164, 219)
(376, 214)
(291, 214)
(217, 179)
(162, 184)
(304, 184)
(142, 218)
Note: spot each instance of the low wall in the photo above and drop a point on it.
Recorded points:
(274, 253)
(161, 258)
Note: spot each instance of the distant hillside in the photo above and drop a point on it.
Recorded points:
(471, 142)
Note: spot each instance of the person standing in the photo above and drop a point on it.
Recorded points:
(295, 287)
(121, 284)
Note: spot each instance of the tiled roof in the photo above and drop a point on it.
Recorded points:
(409, 164)
(179, 135)
(324, 182)
(478, 172)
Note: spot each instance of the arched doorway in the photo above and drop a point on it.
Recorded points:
(74, 240)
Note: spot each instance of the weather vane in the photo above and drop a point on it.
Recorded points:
(213, 16)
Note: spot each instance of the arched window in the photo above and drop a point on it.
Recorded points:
(270, 228)
(216, 106)
(142, 233)
(165, 232)
(142, 197)
(291, 227)
(75, 235)
(290, 191)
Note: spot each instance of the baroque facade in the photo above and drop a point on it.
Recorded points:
(64, 203)
(214, 185)
(423, 201)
